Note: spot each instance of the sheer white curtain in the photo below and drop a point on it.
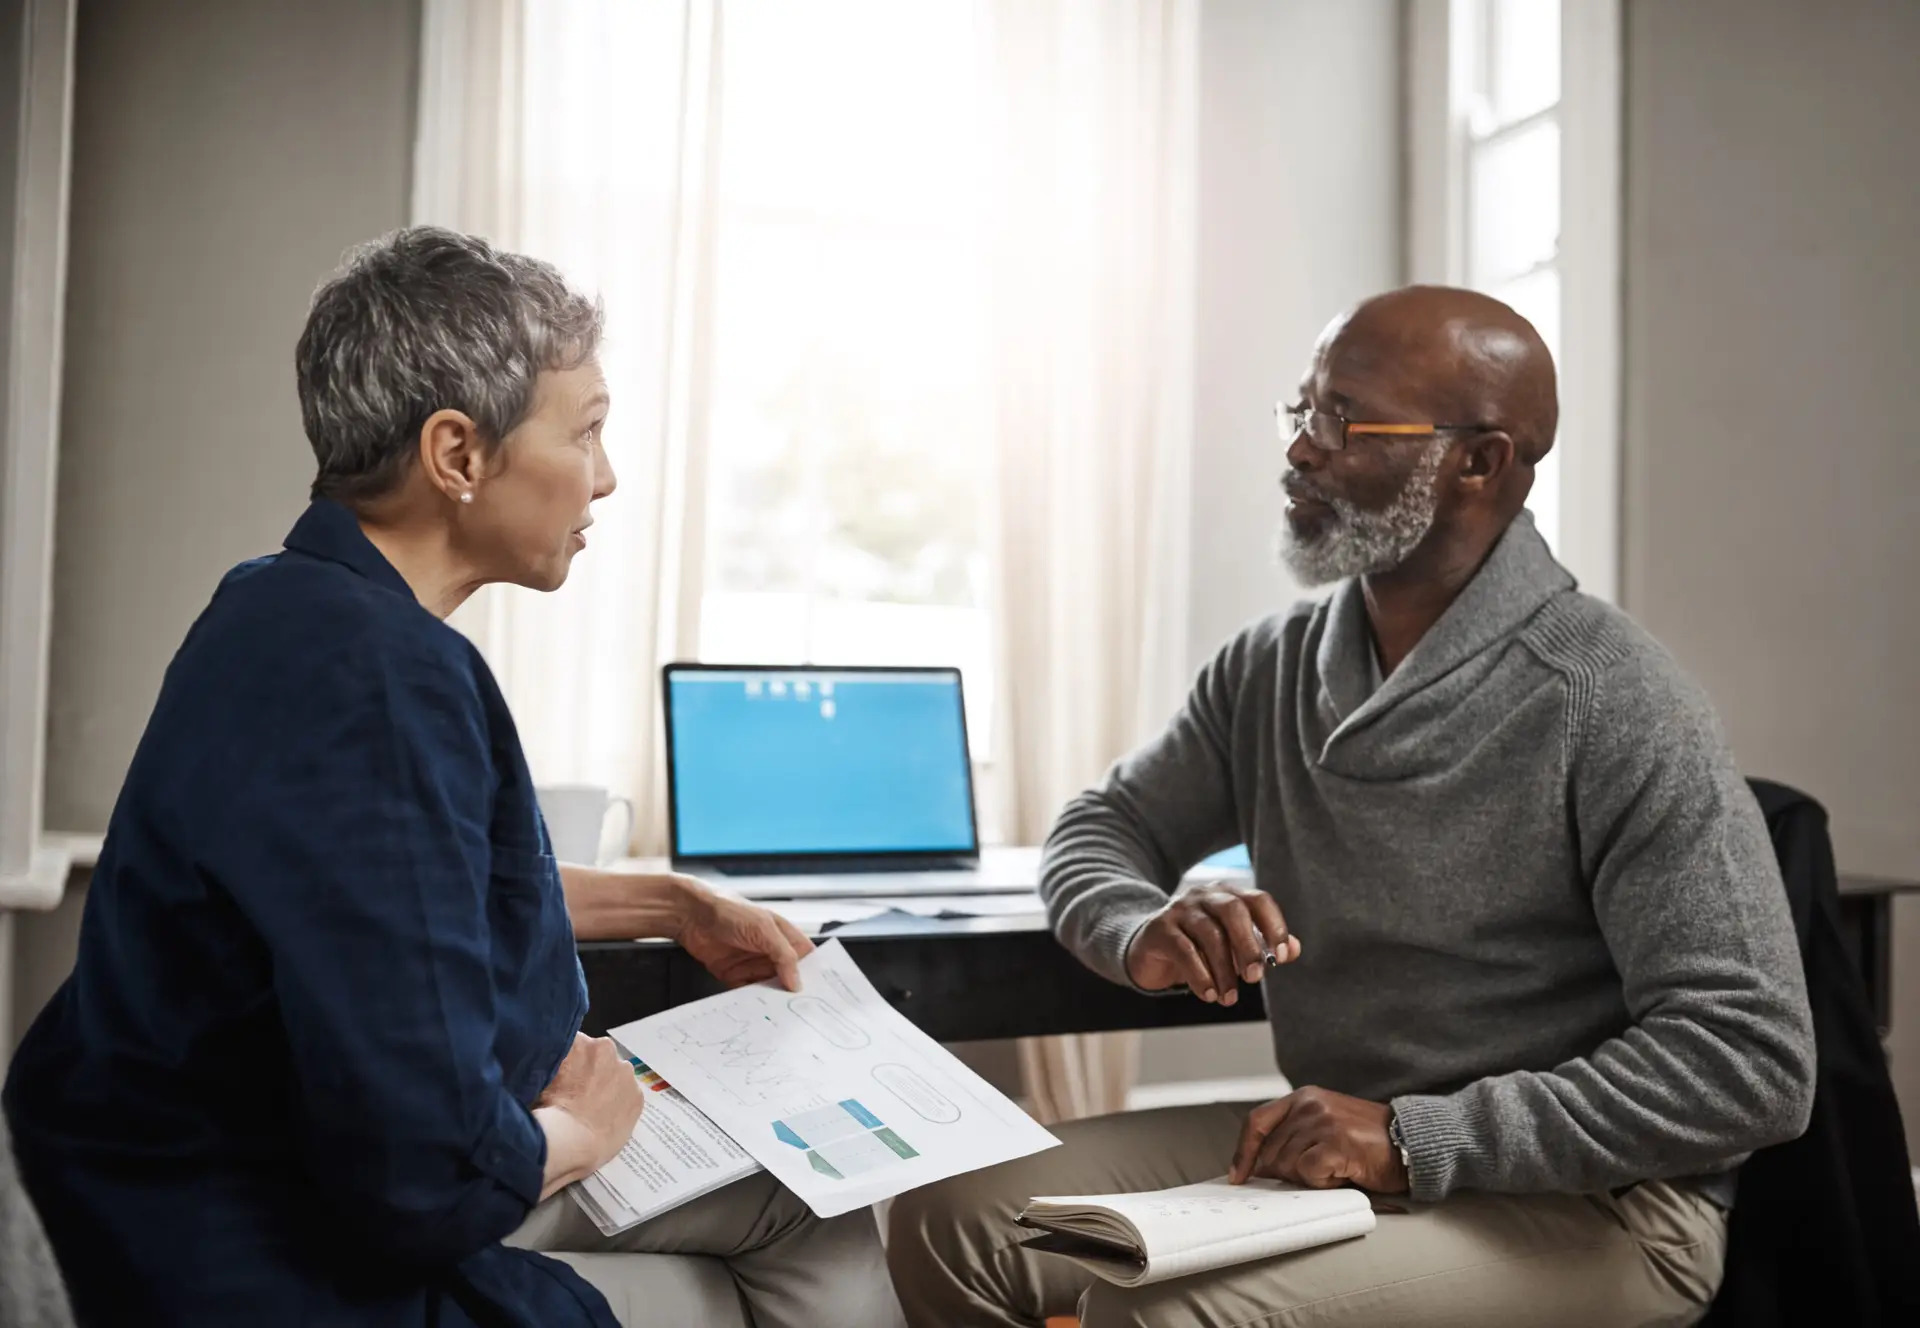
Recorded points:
(582, 132)
(1096, 151)
(585, 131)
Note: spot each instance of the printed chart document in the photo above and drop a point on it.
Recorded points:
(675, 1155)
(1134, 1239)
(830, 1088)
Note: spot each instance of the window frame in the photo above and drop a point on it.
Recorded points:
(1441, 65)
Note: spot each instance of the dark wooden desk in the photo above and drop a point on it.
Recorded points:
(959, 979)
(966, 979)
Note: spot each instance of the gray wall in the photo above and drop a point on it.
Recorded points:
(225, 153)
(1772, 352)
(1271, 273)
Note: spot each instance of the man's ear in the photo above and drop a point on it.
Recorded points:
(1487, 457)
(450, 452)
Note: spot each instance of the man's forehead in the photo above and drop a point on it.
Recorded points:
(1342, 374)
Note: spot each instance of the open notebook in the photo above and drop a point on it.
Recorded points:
(1133, 1239)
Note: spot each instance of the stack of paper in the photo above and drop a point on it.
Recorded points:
(675, 1155)
(830, 1088)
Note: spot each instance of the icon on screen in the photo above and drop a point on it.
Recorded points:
(754, 687)
(803, 689)
(828, 710)
(826, 689)
(777, 687)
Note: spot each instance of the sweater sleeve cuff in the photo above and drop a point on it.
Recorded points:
(1447, 1141)
(1107, 942)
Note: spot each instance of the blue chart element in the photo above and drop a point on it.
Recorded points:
(784, 1133)
(1230, 857)
(853, 1108)
(819, 763)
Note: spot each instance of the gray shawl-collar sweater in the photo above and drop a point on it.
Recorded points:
(1539, 911)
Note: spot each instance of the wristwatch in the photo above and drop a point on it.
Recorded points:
(1399, 1142)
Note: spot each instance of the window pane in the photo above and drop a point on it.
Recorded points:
(1536, 298)
(1523, 52)
(1513, 204)
(847, 427)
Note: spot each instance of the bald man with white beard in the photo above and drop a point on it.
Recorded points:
(1537, 975)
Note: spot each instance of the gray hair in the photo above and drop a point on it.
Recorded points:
(424, 320)
(1365, 543)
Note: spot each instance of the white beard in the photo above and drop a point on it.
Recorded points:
(1358, 542)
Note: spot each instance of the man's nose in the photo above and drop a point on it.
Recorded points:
(1303, 455)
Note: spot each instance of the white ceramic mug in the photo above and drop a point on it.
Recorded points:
(576, 817)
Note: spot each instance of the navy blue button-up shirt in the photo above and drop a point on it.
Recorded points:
(324, 969)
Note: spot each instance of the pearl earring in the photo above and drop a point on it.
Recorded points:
(467, 497)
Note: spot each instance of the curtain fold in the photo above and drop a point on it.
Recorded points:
(1096, 161)
(586, 132)
(515, 99)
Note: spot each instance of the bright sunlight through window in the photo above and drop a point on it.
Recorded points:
(1512, 166)
(847, 437)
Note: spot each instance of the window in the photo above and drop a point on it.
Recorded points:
(1513, 134)
(1508, 54)
(847, 435)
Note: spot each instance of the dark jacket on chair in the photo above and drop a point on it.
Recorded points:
(1824, 1228)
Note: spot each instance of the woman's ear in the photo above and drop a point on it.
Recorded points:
(451, 454)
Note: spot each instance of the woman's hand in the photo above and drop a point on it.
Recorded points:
(588, 1112)
(739, 942)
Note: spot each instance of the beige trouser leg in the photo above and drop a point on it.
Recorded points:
(1652, 1256)
(793, 1270)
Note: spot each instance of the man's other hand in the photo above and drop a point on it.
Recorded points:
(1212, 938)
(1320, 1139)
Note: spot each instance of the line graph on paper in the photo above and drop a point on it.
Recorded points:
(748, 1055)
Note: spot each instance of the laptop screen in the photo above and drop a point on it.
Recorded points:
(776, 761)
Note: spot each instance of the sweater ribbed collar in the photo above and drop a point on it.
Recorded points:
(1518, 577)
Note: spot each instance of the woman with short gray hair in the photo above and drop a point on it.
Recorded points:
(320, 1057)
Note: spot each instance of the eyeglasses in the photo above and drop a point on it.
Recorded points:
(1330, 432)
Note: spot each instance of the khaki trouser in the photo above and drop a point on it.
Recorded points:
(1649, 1256)
(789, 1268)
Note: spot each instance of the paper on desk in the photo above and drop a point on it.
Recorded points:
(962, 906)
(831, 1088)
(814, 916)
(675, 1155)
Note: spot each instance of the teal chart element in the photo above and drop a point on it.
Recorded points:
(843, 1140)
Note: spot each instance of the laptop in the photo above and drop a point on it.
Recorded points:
(793, 782)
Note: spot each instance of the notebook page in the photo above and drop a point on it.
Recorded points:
(1210, 1213)
(1258, 1245)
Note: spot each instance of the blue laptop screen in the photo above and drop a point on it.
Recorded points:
(828, 762)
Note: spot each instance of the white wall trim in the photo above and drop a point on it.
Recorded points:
(1436, 206)
(33, 871)
(1590, 114)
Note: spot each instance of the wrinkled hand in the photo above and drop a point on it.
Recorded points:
(1320, 1139)
(595, 1087)
(1212, 938)
(739, 942)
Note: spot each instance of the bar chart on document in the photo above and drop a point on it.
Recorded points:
(831, 1089)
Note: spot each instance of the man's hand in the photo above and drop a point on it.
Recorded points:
(739, 942)
(1212, 938)
(1320, 1139)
